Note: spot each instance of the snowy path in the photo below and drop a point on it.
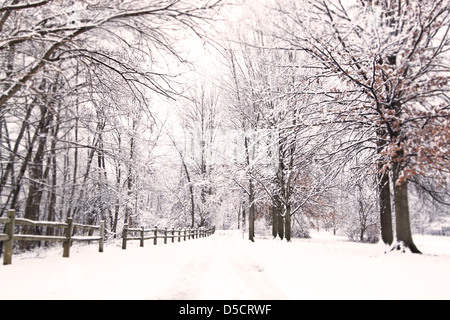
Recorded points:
(227, 267)
(223, 268)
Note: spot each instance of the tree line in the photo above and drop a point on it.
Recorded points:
(358, 87)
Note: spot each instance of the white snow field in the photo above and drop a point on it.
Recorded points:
(227, 267)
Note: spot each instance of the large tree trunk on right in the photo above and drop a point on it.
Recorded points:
(403, 223)
(277, 218)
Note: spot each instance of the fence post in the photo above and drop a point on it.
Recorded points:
(68, 241)
(185, 234)
(102, 236)
(124, 236)
(179, 235)
(8, 244)
(142, 236)
(155, 241)
(173, 235)
(165, 236)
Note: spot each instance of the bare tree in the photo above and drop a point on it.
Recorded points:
(201, 121)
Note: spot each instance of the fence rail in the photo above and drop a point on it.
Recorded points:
(128, 234)
(163, 233)
(70, 228)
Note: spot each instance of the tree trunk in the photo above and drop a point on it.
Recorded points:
(251, 213)
(387, 233)
(403, 224)
(118, 172)
(244, 218)
(192, 196)
(280, 225)
(278, 221)
(37, 178)
(130, 185)
(288, 223)
(274, 220)
(76, 208)
(251, 194)
(54, 178)
(384, 192)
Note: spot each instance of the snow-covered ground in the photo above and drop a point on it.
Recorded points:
(226, 267)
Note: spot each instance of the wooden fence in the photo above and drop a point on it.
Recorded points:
(129, 234)
(70, 227)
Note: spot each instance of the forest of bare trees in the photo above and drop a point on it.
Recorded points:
(329, 115)
(77, 123)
